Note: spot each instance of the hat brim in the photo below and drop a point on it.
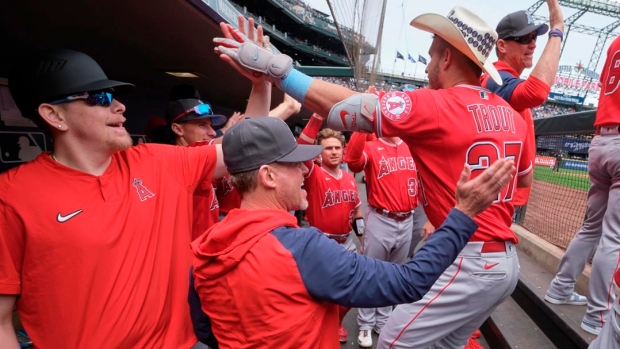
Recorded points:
(119, 87)
(444, 28)
(216, 120)
(540, 29)
(302, 153)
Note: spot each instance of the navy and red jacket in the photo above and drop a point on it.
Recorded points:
(266, 283)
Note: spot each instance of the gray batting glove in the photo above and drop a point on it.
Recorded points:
(253, 57)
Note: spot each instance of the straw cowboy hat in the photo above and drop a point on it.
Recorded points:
(465, 31)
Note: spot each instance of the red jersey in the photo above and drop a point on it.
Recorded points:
(608, 112)
(391, 175)
(331, 201)
(103, 261)
(522, 95)
(206, 208)
(447, 128)
(227, 195)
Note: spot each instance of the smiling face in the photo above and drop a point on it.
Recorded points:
(97, 127)
(193, 131)
(519, 54)
(289, 179)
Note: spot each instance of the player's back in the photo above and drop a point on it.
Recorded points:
(447, 128)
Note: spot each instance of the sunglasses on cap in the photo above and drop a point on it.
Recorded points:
(523, 40)
(99, 98)
(200, 109)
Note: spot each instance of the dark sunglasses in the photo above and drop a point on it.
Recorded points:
(200, 109)
(523, 40)
(99, 98)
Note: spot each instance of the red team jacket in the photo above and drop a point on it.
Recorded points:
(447, 128)
(265, 283)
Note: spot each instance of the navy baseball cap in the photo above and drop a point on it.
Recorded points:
(47, 76)
(192, 109)
(258, 141)
(518, 24)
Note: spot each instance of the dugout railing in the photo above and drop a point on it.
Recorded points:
(557, 204)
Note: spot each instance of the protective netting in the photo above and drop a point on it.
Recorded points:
(557, 205)
(360, 27)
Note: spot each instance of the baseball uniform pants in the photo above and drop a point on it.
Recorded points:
(458, 303)
(602, 227)
(388, 240)
(609, 338)
(419, 219)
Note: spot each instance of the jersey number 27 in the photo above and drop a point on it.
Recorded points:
(481, 155)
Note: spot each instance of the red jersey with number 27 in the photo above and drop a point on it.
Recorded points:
(331, 201)
(447, 128)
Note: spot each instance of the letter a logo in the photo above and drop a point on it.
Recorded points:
(142, 191)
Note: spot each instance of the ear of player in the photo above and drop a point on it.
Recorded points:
(253, 57)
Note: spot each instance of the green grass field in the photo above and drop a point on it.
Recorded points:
(567, 178)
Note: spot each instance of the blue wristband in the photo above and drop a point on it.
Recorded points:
(296, 85)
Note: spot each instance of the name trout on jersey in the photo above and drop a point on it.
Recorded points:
(491, 118)
(339, 196)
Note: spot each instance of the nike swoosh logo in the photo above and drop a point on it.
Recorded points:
(255, 56)
(488, 266)
(343, 117)
(380, 148)
(61, 219)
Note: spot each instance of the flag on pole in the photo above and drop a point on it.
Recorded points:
(422, 59)
(410, 58)
(399, 56)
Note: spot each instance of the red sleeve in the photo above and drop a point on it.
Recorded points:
(308, 135)
(355, 157)
(527, 157)
(192, 165)
(11, 252)
(529, 94)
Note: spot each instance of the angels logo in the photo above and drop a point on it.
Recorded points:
(226, 186)
(396, 105)
(142, 191)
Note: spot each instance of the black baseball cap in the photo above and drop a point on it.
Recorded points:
(192, 109)
(258, 141)
(47, 76)
(517, 24)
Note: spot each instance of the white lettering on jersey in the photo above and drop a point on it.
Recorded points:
(389, 165)
(338, 196)
(491, 118)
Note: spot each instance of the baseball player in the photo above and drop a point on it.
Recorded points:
(517, 34)
(392, 183)
(192, 120)
(602, 224)
(452, 122)
(266, 283)
(333, 201)
(96, 230)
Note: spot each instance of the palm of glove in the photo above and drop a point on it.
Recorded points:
(253, 57)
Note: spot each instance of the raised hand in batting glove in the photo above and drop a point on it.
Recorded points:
(260, 61)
